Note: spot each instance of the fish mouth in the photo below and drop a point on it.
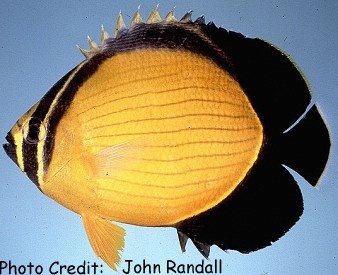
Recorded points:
(10, 148)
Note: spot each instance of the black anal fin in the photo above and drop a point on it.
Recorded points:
(305, 147)
(203, 248)
(260, 211)
(183, 238)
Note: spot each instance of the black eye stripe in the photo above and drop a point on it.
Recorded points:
(30, 149)
(34, 129)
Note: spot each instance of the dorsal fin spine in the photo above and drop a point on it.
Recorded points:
(153, 18)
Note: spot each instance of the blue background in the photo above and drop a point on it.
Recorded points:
(37, 47)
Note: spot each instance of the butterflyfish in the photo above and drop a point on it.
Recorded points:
(176, 123)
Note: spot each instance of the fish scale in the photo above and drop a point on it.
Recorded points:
(155, 119)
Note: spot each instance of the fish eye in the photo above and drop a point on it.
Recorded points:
(34, 130)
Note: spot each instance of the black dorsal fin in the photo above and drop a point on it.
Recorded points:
(273, 83)
(271, 80)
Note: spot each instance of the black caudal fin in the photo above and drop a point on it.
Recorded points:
(305, 147)
(256, 214)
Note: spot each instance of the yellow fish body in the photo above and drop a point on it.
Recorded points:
(175, 123)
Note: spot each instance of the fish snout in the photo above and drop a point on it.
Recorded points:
(10, 148)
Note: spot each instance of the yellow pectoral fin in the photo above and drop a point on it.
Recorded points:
(106, 239)
(111, 159)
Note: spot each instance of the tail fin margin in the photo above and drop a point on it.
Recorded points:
(305, 147)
